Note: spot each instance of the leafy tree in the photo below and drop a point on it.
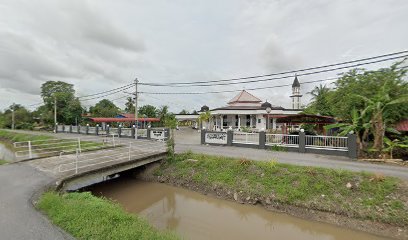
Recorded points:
(184, 112)
(148, 111)
(381, 108)
(104, 108)
(23, 118)
(130, 107)
(68, 107)
(163, 113)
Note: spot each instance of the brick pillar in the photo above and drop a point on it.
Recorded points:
(230, 136)
(302, 142)
(352, 146)
(262, 139)
(133, 132)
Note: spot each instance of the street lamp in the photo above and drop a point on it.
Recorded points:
(268, 110)
(268, 107)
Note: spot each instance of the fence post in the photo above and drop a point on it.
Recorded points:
(30, 153)
(79, 144)
(352, 146)
(262, 139)
(107, 130)
(230, 137)
(63, 128)
(113, 140)
(133, 131)
(87, 129)
(70, 128)
(76, 162)
(79, 129)
(130, 147)
(203, 136)
(97, 130)
(56, 128)
(149, 134)
(119, 131)
(302, 142)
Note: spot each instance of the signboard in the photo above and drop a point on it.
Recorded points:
(157, 134)
(217, 138)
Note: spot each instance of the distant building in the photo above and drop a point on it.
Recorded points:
(248, 111)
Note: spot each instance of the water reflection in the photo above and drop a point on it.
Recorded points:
(6, 152)
(196, 216)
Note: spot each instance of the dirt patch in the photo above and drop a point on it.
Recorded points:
(154, 174)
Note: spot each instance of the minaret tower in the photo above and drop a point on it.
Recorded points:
(296, 94)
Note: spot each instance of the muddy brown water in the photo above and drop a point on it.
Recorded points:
(196, 216)
(6, 152)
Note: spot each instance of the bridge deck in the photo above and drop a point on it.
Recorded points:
(128, 151)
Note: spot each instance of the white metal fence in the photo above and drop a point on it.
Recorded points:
(142, 133)
(126, 132)
(55, 147)
(246, 138)
(282, 140)
(132, 150)
(327, 142)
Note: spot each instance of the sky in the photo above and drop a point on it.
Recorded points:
(98, 45)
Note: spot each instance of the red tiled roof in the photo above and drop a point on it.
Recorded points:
(402, 126)
(124, 119)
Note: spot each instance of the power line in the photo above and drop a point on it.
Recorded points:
(119, 88)
(237, 90)
(271, 79)
(227, 91)
(108, 94)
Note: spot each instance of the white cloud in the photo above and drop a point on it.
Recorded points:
(100, 45)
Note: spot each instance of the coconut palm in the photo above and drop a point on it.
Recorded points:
(205, 117)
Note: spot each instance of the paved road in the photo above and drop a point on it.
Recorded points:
(19, 219)
(189, 139)
(297, 158)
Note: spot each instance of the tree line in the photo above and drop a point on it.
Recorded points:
(70, 109)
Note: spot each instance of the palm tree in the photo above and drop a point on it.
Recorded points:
(205, 117)
(319, 91)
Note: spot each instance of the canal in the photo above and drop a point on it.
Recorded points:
(196, 216)
(6, 152)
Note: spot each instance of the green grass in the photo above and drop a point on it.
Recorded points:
(85, 216)
(57, 147)
(3, 162)
(372, 197)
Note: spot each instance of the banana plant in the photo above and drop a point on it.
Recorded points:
(392, 144)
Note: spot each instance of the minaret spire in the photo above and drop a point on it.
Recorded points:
(296, 96)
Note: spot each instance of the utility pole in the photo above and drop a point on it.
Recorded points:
(12, 116)
(136, 119)
(55, 111)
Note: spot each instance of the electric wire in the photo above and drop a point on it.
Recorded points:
(281, 73)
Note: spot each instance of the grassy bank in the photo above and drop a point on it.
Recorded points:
(87, 217)
(2, 162)
(351, 194)
(21, 137)
(64, 146)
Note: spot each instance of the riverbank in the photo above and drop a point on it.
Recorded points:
(85, 216)
(362, 201)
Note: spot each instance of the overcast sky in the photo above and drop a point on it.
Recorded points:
(99, 45)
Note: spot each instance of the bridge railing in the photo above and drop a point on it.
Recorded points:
(55, 147)
(130, 151)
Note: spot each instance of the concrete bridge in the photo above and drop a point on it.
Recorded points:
(80, 161)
